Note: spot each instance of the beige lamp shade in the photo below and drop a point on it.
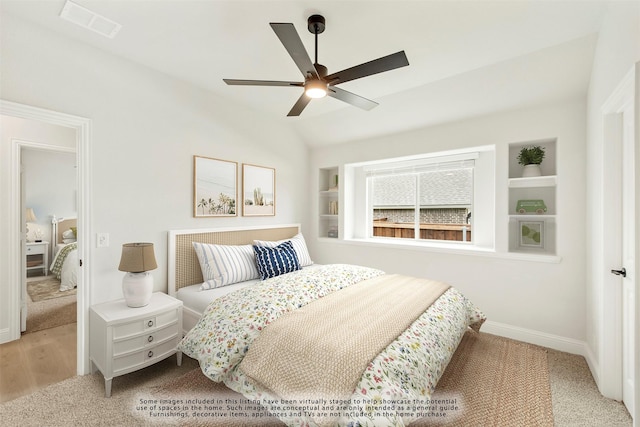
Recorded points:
(30, 216)
(137, 257)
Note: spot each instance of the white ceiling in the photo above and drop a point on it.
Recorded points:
(467, 58)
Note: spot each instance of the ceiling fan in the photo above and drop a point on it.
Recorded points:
(317, 83)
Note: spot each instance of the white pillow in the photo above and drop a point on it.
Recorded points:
(299, 245)
(224, 265)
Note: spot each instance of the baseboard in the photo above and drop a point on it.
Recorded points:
(593, 364)
(556, 342)
(5, 336)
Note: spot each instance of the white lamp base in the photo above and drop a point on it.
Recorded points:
(137, 288)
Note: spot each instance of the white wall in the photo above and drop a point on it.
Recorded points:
(539, 296)
(617, 50)
(146, 129)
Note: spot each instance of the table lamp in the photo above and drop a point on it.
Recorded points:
(30, 218)
(137, 284)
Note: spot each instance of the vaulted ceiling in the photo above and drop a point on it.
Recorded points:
(467, 58)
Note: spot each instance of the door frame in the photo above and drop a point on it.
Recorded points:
(624, 97)
(83, 154)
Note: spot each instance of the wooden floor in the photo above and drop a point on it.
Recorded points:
(37, 360)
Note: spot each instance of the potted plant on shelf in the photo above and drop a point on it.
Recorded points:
(530, 158)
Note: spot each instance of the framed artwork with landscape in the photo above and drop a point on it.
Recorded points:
(258, 190)
(215, 187)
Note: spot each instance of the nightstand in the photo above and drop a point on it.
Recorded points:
(38, 256)
(124, 339)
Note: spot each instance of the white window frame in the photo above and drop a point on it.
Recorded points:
(358, 210)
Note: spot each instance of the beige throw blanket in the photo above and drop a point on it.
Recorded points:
(322, 349)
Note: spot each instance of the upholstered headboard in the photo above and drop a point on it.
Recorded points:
(184, 269)
(60, 226)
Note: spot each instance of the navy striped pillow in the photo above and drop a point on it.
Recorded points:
(275, 261)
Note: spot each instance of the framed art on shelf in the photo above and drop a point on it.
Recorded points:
(258, 190)
(215, 187)
(531, 234)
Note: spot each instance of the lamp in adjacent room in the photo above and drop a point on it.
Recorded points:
(137, 284)
(32, 227)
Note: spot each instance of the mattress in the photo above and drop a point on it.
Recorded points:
(195, 299)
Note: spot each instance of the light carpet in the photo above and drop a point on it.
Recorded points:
(51, 313)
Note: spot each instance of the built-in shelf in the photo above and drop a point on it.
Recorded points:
(532, 233)
(532, 217)
(328, 208)
(533, 181)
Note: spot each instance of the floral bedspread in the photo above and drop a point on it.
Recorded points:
(407, 370)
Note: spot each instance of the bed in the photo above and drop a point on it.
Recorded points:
(316, 345)
(65, 252)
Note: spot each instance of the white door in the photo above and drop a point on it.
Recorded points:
(618, 339)
(628, 260)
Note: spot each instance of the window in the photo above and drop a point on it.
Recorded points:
(423, 201)
(439, 200)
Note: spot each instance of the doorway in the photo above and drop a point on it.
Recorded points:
(48, 181)
(13, 230)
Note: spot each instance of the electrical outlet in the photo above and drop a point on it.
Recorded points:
(102, 240)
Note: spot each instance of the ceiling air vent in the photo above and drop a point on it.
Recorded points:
(90, 20)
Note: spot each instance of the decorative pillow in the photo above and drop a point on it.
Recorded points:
(299, 245)
(68, 236)
(275, 261)
(224, 265)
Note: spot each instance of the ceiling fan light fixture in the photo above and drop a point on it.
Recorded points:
(315, 89)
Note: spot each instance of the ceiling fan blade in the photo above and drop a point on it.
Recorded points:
(380, 65)
(300, 104)
(262, 83)
(351, 98)
(291, 40)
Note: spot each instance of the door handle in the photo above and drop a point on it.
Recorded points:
(622, 272)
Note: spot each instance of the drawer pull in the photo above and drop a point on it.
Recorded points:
(150, 339)
(150, 354)
(150, 323)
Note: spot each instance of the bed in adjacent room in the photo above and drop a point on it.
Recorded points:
(65, 252)
(264, 320)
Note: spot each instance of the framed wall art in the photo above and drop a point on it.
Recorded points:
(531, 234)
(258, 190)
(215, 187)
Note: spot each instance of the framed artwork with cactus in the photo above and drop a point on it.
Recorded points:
(258, 190)
(215, 187)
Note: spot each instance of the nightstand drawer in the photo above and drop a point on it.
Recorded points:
(144, 341)
(35, 249)
(135, 360)
(144, 325)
